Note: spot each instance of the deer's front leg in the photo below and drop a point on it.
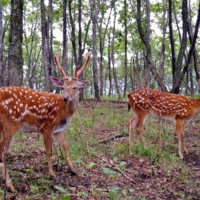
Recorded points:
(48, 146)
(7, 136)
(6, 177)
(179, 136)
(183, 141)
(61, 139)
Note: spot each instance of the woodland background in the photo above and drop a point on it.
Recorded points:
(133, 43)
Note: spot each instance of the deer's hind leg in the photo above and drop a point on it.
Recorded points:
(131, 124)
(141, 120)
(181, 137)
(183, 140)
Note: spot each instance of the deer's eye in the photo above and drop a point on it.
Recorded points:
(74, 88)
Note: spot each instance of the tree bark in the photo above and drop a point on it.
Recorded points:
(171, 35)
(113, 57)
(94, 9)
(125, 48)
(195, 58)
(177, 72)
(148, 49)
(78, 51)
(1, 45)
(191, 50)
(50, 40)
(102, 35)
(73, 35)
(15, 57)
(45, 47)
(147, 77)
(162, 52)
(65, 47)
(109, 66)
(33, 54)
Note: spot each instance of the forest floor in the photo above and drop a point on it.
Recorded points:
(106, 167)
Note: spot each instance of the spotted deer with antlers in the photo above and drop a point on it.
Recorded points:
(157, 104)
(28, 110)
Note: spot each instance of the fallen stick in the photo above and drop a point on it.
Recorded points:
(117, 169)
(112, 138)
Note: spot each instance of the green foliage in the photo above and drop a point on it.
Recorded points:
(122, 165)
(91, 165)
(149, 151)
(120, 149)
(29, 171)
(63, 192)
(114, 193)
(109, 172)
(5, 2)
(117, 193)
(60, 189)
(1, 193)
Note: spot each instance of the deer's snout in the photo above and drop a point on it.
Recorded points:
(65, 99)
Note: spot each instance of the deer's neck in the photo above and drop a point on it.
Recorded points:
(72, 106)
(67, 115)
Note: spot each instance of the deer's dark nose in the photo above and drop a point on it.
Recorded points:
(65, 99)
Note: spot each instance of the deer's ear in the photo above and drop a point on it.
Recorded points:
(57, 82)
(82, 83)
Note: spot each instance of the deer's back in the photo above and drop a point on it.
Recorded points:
(162, 104)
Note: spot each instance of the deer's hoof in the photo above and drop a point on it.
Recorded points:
(73, 173)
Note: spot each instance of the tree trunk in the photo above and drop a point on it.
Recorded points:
(147, 77)
(171, 35)
(94, 9)
(81, 45)
(109, 67)
(50, 41)
(102, 35)
(125, 48)
(65, 47)
(191, 50)
(162, 52)
(101, 47)
(15, 57)
(113, 57)
(191, 82)
(33, 54)
(195, 58)
(148, 49)
(179, 61)
(73, 35)
(45, 48)
(1, 45)
(80, 50)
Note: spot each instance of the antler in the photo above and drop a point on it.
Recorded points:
(79, 72)
(56, 57)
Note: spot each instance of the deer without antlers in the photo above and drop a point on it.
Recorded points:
(28, 110)
(157, 104)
